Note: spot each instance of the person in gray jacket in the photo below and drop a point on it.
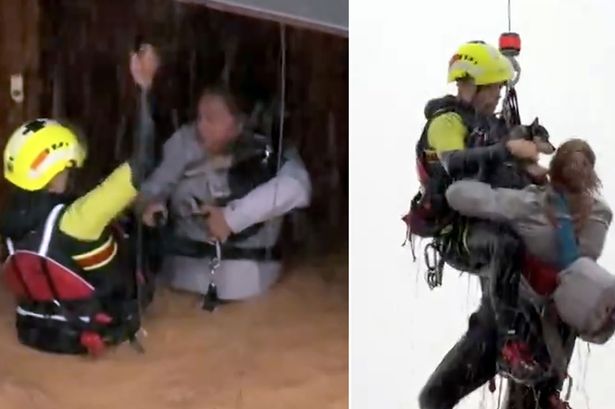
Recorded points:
(564, 226)
(218, 182)
(533, 211)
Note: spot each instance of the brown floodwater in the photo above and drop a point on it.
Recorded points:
(287, 349)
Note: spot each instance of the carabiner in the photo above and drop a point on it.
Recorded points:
(434, 269)
(214, 263)
(431, 263)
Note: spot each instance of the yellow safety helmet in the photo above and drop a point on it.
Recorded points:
(38, 151)
(482, 62)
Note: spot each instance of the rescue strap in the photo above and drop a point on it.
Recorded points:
(182, 246)
(510, 108)
(553, 340)
(568, 249)
(549, 321)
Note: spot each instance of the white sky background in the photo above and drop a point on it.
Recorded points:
(399, 53)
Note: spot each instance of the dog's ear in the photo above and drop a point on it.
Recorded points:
(534, 127)
(538, 130)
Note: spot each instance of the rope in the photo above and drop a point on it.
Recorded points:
(281, 113)
(510, 104)
(509, 24)
(500, 394)
(282, 103)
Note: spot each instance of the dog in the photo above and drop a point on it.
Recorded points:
(540, 136)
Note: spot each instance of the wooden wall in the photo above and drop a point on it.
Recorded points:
(19, 55)
(75, 58)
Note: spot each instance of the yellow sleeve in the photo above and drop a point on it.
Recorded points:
(89, 215)
(447, 133)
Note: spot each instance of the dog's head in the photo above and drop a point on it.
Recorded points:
(540, 136)
(535, 133)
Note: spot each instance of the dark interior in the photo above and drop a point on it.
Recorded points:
(80, 73)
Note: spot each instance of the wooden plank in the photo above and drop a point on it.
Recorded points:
(19, 54)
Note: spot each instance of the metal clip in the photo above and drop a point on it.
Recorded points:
(434, 267)
(215, 261)
(211, 300)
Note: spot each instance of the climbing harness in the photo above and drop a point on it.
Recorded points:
(211, 300)
(510, 46)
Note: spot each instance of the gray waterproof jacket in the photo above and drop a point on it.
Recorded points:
(524, 210)
(585, 296)
(187, 176)
(186, 172)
